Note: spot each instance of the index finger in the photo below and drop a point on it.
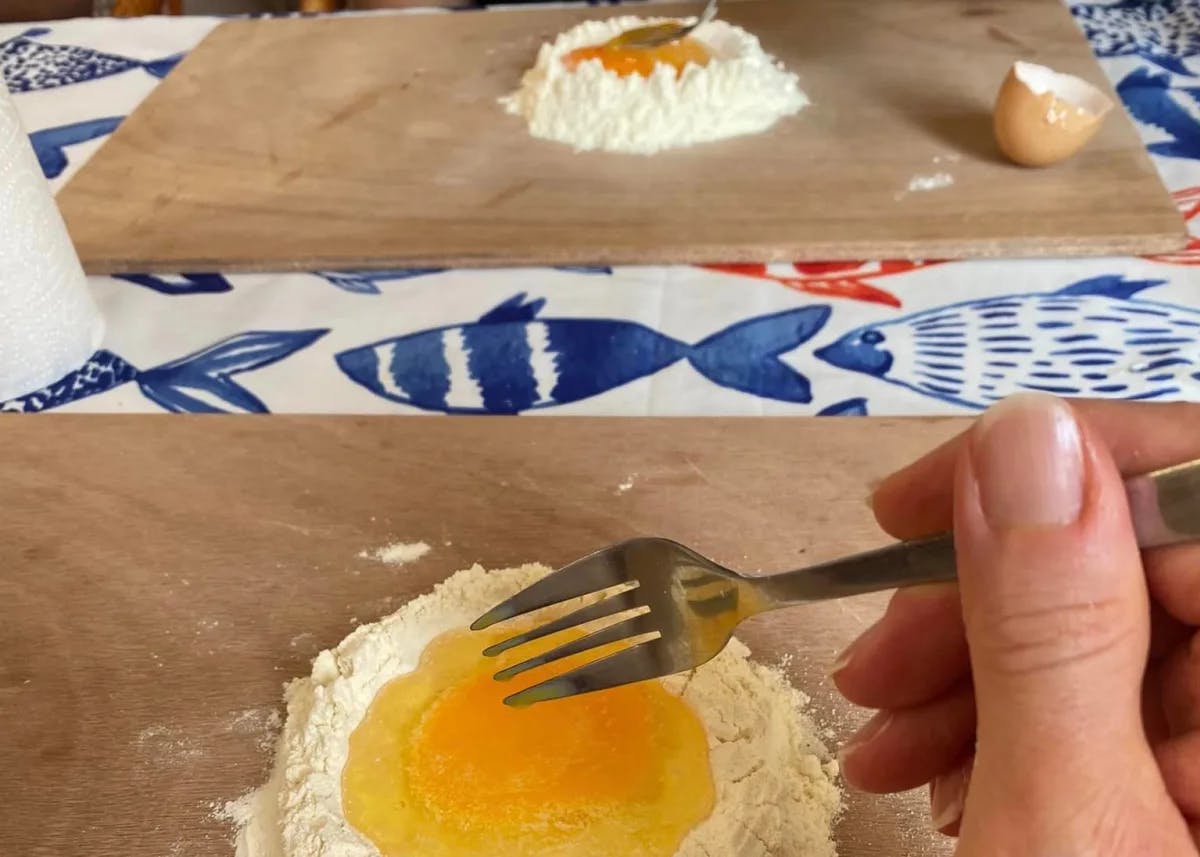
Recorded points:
(918, 500)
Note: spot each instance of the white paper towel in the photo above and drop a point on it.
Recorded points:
(49, 324)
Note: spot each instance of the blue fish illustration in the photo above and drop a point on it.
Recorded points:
(198, 383)
(850, 408)
(29, 65)
(183, 284)
(367, 282)
(1164, 32)
(1150, 100)
(511, 361)
(1091, 338)
(51, 144)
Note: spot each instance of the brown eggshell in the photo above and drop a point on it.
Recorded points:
(1039, 128)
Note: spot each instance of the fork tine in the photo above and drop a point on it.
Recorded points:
(631, 626)
(616, 603)
(593, 573)
(646, 660)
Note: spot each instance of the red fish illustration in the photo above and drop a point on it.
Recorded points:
(832, 279)
(1188, 201)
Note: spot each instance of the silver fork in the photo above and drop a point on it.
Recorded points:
(662, 34)
(676, 609)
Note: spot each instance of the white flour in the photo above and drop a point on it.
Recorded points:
(922, 183)
(397, 553)
(774, 792)
(261, 723)
(934, 181)
(161, 745)
(741, 91)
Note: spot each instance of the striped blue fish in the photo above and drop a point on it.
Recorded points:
(1092, 338)
(511, 361)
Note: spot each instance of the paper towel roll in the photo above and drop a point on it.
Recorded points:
(49, 324)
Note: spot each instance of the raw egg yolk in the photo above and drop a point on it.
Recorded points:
(441, 767)
(625, 60)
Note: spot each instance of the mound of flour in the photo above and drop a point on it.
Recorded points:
(741, 91)
(775, 793)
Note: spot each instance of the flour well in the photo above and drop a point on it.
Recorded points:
(775, 789)
(742, 90)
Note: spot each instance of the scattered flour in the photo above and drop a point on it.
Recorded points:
(163, 745)
(934, 181)
(303, 640)
(262, 723)
(627, 485)
(397, 553)
(742, 90)
(775, 793)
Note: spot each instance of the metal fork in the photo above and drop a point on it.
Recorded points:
(676, 609)
(662, 34)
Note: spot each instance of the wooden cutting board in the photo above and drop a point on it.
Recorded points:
(377, 142)
(164, 576)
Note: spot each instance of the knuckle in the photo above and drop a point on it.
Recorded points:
(1173, 574)
(1056, 636)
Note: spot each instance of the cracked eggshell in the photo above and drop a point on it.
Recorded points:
(1043, 116)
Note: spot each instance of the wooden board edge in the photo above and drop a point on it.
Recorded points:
(1014, 249)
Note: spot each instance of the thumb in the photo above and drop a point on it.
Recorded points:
(1055, 609)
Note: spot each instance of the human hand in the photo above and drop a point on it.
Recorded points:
(1051, 699)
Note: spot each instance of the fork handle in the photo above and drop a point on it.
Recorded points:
(1164, 507)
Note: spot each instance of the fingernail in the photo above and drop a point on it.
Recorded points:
(947, 796)
(871, 730)
(1028, 460)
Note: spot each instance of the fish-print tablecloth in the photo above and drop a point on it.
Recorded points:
(845, 338)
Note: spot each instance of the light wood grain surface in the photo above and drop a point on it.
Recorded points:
(164, 576)
(377, 142)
